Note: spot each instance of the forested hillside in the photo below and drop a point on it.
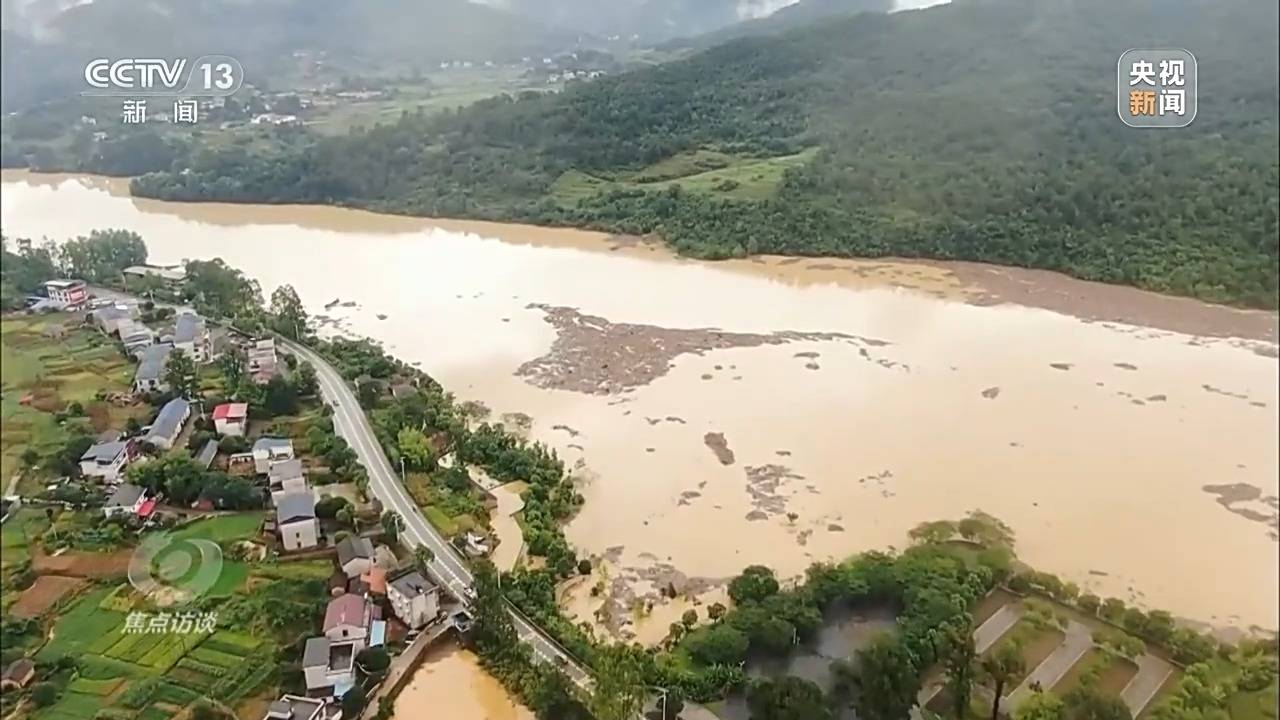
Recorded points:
(976, 130)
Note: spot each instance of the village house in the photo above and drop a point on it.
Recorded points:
(149, 377)
(170, 274)
(107, 460)
(286, 477)
(356, 555)
(231, 419)
(67, 293)
(296, 520)
(135, 337)
(18, 674)
(128, 499)
(293, 707)
(109, 317)
(268, 451)
(414, 598)
(191, 336)
(347, 617)
(169, 423)
(329, 667)
(207, 453)
(262, 360)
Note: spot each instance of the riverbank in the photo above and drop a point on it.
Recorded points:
(975, 283)
(860, 404)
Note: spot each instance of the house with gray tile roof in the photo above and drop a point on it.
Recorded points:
(169, 423)
(296, 520)
(149, 377)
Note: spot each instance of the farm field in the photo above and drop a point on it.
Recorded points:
(703, 171)
(148, 675)
(19, 533)
(47, 362)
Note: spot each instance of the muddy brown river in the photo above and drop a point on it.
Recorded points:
(782, 411)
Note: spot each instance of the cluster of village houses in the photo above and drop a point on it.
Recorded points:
(367, 581)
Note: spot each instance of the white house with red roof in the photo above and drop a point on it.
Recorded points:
(231, 419)
(347, 618)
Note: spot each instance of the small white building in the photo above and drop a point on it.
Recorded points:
(127, 499)
(191, 336)
(294, 707)
(231, 419)
(107, 460)
(286, 477)
(414, 598)
(149, 377)
(268, 450)
(329, 667)
(356, 555)
(296, 520)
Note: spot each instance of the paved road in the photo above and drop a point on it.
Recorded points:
(448, 567)
(996, 626)
(1077, 642)
(1152, 672)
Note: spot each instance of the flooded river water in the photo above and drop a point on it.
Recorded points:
(782, 411)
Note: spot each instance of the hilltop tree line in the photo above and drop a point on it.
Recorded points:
(976, 131)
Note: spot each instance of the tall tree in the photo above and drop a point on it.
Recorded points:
(788, 698)
(494, 633)
(289, 318)
(180, 374)
(888, 680)
(960, 662)
(999, 667)
(619, 690)
(422, 558)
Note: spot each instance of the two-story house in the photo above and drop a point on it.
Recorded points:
(268, 450)
(107, 460)
(414, 598)
(286, 477)
(191, 336)
(296, 520)
(149, 377)
(231, 419)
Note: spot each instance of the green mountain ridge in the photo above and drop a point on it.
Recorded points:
(976, 130)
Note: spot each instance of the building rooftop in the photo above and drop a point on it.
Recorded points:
(293, 707)
(316, 652)
(231, 411)
(207, 454)
(63, 284)
(346, 609)
(104, 452)
(294, 506)
(412, 584)
(287, 470)
(170, 419)
(187, 327)
(352, 547)
(269, 444)
(151, 366)
(172, 273)
(125, 496)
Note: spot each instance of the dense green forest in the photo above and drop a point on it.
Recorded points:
(980, 130)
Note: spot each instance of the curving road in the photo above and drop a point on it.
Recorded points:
(448, 567)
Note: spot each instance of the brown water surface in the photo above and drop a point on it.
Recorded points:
(858, 398)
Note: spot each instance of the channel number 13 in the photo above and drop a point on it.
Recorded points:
(218, 76)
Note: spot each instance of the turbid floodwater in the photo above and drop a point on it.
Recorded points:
(782, 411)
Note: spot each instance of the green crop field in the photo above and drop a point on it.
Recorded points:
(19, 532)
(46, 363)
(222, 528)
(702, 171)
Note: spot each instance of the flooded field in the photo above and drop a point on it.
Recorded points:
(451, 684)
(782, 411)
